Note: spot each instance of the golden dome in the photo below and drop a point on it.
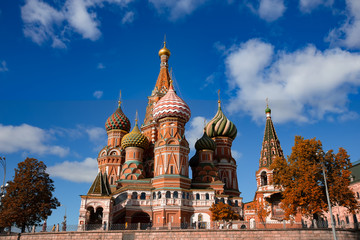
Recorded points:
(164, 51)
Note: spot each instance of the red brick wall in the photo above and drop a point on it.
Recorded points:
(304, 234)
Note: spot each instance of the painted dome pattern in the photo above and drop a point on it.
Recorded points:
(220, 126)
(135, 139)
(205, 143)
(118, 120)
(171, 105)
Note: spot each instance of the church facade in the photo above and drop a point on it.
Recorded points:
(143, 172)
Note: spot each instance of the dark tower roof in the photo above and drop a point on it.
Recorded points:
(100, 186)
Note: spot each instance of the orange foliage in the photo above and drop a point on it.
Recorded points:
(222, 211)
(261, 209)
(28, 199)
(302, 179)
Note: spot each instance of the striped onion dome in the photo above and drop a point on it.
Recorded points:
(118, 120)
(135, 139)
(205, 143)
(171, 105)
(220, 126)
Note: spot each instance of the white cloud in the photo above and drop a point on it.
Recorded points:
(195, 130)
(3, 67)
(128, 17)
(100, 66)
(302, 86)
(307, 6)
(269, 10)
(98, 94)
(43, 22)
(84, 171)
(96, 134)
(28, 138)
(348, 34)
(236, 154)
(176, 9)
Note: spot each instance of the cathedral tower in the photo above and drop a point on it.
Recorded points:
(223, 131)
(111, 157)
(171, 149)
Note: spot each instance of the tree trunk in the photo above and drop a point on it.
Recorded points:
(22, 228)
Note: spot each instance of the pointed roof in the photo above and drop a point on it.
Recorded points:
(100, 186)
(271, 144)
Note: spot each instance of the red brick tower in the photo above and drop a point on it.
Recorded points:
(149, 127)
(111, 157)
(223, 132)
(134, 144)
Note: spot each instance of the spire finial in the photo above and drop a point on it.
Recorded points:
(267, 110)
(165, 40)
(219, 102)
(136, 117)
(119, 102)
(267, 102)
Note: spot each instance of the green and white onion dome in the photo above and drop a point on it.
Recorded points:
(205, 143)
(220, 126)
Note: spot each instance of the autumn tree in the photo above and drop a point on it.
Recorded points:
(223, 212)
(29, 197)
(261, 209)
(302, 180)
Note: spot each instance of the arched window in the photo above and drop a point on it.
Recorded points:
(187, 196)
(183, 195)
(197, 196)
(142, 196)
(229, 202)
(216, 200)
(168, 194)
(236, 203)
(172, 170)
(207, 197)
(222, 200)
(154, 195)
(263, 178)
(134, 195)
(175, 194)
(159, 195)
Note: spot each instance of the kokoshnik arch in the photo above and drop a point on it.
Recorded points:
(144, 173)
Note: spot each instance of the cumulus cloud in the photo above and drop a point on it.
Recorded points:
(84, 171)
(3, 67)
(195, 130)
(128, 17)
(28, 138)
(96, 134)
(176, 9)
(306, 6)
(348, 34)
(302, 86)
(43, 22)
(98, 94)
(269, 10)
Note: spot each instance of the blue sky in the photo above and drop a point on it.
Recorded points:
(63, 63)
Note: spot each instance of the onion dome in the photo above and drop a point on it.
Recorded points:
(135, 139)
(205, 143)
(164, 51)
(267, 110)
(194, 161)
(171, 105)
(118, 120)
(220, 126)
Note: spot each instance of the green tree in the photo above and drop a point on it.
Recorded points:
(29, 197)
(302, 179)
(223, 212)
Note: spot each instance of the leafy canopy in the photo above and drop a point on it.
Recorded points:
(302, 178)
(29, 197)
(222, 211)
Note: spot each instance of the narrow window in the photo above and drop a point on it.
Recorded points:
(168, 194)
(207, 196)
(197, 196)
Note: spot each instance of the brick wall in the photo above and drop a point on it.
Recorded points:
(289, 234)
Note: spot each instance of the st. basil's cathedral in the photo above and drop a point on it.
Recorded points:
(143, 174)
